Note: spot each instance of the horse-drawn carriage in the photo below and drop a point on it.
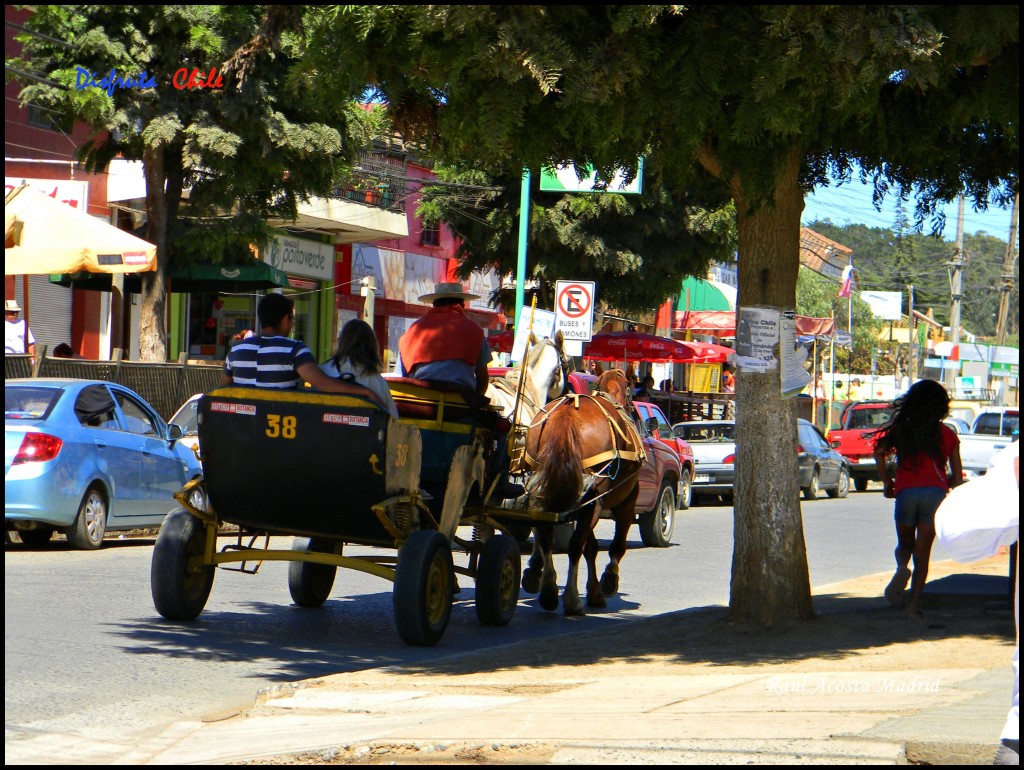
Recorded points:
(334, 470)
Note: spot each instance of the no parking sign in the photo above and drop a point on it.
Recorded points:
(574, 310)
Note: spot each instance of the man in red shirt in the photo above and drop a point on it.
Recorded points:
(447, 346)
(444, 344)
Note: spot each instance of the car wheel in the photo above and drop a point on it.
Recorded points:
(91, 522)
(179, 580)
(656, 526)
(197, 498)
(36, 537)
(843, 487)
(811, 490)
(860, 483)
(685, 498)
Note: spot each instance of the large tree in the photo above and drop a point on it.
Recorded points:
(218, 161)
(756, 103)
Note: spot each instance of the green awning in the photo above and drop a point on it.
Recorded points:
(252, 276)
(703, 295)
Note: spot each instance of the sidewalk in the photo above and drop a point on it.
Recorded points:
(860, 684)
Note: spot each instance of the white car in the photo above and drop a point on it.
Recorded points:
(187, 417)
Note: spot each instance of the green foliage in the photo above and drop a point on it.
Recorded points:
(244, 153)
(817, 296)
(637, 248)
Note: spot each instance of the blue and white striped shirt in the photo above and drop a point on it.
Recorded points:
(267, 362)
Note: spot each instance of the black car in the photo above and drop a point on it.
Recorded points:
(821, 466)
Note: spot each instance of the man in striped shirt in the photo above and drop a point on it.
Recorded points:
(271, 359)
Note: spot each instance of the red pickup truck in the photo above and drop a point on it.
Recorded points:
(665, 481)
(857, 420)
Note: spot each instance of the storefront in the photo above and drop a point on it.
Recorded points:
(309, 266)
(401, 278)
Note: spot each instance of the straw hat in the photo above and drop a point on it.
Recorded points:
(11, 306)
(448, 290)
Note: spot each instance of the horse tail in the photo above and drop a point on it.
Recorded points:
(560, 460)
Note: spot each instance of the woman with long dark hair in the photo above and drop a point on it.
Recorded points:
(922, 446)
(358, 359)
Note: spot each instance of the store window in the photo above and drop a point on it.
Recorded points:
(304, 293)
(213, 319)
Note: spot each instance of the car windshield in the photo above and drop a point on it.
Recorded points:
(188, 418)
(696, 434)
(29, 403)
(869, 418)
(996, 424)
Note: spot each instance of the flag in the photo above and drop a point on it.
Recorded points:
(846, 288)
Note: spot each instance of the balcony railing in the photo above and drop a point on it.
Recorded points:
(382, 196)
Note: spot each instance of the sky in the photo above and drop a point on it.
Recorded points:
(851, 204)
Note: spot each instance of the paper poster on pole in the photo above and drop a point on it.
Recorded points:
(543, 326)
(757, 335)
(794, 377)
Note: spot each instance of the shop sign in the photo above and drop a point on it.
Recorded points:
(297, 256)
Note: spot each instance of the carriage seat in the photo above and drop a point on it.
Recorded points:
(469, 404)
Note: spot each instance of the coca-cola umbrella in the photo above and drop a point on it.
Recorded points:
(710, 353)
(637, 346)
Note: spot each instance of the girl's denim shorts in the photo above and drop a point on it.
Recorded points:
(917, 505)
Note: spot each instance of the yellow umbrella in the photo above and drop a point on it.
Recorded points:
(43, 236)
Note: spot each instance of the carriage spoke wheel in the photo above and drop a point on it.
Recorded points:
(179, 581)
(424, 583)
(497, 581)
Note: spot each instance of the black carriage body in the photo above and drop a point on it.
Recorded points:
(296, 462)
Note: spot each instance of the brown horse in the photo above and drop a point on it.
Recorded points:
(587, 457)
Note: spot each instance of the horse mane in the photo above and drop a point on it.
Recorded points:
(560, 461)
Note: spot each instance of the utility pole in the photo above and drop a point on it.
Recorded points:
(912, 341)
(1007, 285)
(949, 375)
(1004, 293)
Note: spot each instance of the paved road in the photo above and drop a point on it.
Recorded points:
(86, 654)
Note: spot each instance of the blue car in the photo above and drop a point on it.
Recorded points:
(84, 457)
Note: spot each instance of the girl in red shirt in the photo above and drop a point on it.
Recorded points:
(923, 446)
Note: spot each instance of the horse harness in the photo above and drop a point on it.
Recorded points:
(629, 436)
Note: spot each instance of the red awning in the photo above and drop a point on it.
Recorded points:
(722, 323)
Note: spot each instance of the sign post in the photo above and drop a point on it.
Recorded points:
(574, 313)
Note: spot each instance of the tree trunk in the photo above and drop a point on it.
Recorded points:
(770, 581)
(152, 335)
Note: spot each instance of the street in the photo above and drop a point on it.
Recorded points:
(87, 655)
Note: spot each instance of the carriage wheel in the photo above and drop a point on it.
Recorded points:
(497, 581)
(424, 583)
(310, 584)
(180, 583)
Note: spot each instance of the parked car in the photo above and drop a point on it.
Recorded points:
(957, 425)
(187, 418)
(713, 443)
(661, 482)
(993, 429)
(997, 421)
(858, 419)
(821, 466)
(85, 457)
(660, 428)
